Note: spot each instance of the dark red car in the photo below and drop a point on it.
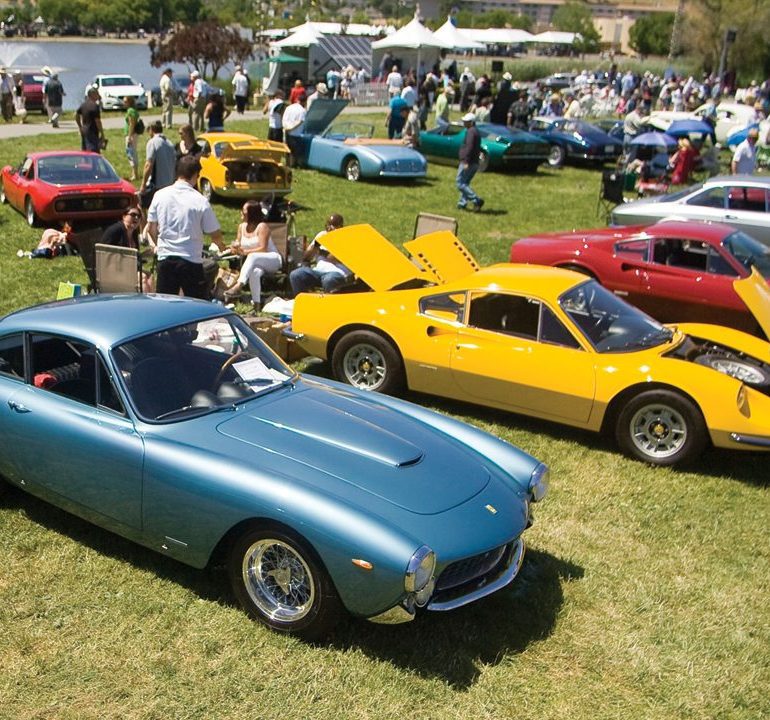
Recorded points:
(676, 271)
(66, 185)
(33, 91)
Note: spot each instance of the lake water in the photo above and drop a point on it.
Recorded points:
(77, 62)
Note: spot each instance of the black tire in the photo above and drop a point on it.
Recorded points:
(351, 169)
(483, 161)
(743, 370)
(29, 212)
(367, 361)
(557, 156)
(661, 427)
(278, 580)
(206, 190)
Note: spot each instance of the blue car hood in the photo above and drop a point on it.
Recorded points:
(377, 450)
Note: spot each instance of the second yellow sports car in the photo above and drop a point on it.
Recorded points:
(236, 165)
(539, 341)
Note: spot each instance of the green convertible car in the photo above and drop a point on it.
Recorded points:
(501, 146)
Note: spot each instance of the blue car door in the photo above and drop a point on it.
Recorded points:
(67, 436)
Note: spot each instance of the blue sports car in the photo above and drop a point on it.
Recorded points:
(576, 140)
(168, 421)
(349, 148)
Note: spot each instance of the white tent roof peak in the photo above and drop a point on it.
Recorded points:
(413, 35)
(456, 38)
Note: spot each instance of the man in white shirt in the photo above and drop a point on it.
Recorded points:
(240, 89)
(178, 218)
(167, 98)
(199, 99)
(745, 157)
(394, 81)
(323, 269)
(293, 125)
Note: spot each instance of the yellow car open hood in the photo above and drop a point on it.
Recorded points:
(755, 292)
(258, 150)
(442, 256)
(379, 263)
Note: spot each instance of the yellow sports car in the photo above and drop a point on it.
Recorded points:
(539, 341)
(235, 165)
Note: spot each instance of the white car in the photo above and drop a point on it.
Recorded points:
(113, 88)
(730, 116)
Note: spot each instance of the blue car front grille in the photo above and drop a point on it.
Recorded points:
(464, 571)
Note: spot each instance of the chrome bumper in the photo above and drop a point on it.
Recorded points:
(756, 440)
(405, 612)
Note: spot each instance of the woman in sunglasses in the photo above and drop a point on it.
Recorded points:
(126, 232)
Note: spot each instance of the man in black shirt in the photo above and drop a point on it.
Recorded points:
(88, 118)
(54, 98)
(469, 164)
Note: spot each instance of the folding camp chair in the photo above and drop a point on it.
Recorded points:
(611, 192)
(426, 223)
(84, 243)
(116, 269)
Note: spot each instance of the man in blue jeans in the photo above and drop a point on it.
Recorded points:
(323, 270)
(469, 164)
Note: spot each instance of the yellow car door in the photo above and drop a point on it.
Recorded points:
(514, 352)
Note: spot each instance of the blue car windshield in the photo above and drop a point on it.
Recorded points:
(610, 324)
(197, 368)
(749, 252)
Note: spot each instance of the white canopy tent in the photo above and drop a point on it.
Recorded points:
(498, 36)
(305, 37)
(333, 28)
(555, 37)
(457, 39)
(413, 36)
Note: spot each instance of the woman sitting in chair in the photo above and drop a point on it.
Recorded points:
(260, 256)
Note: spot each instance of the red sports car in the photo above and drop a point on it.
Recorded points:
(66, 185)
(676, 271)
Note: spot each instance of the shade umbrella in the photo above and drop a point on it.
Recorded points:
(457, 38)
(682, 128)
(413, 36)
(284, 57)
(655, 139)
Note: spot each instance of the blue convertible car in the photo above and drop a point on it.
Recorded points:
(349, 148)
(576, 140)
(166, 420)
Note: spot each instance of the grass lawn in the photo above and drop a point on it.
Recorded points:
(644, 593)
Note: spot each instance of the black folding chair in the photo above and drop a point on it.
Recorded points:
(611, 192)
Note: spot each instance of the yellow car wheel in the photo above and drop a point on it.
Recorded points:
(368, 361)
(661, 427)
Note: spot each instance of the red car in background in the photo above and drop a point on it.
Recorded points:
(33, 91)
(676, 271)
(66, 185)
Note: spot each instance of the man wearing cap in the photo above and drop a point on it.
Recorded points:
(199, 100)
(745, 157)
(167, 98)
(89, 120)
(53, 91)
(240, 89)
(470, 152)
(443, 105)
(321, 93)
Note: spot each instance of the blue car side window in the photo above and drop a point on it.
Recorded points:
(12, 356)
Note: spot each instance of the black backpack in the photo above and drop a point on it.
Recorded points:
(139, 126)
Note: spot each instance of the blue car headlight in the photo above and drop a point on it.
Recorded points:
(419, 572)
(538, 482)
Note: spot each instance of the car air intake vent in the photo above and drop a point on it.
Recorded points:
(464, 571)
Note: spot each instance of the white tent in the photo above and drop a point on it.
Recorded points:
(554, 37)
(498, 36)
(457, 39)
(303, 38)
(413, 36)
(334, 28)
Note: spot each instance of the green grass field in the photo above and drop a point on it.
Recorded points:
(644, 593)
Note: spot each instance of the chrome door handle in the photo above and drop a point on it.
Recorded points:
(18, 407)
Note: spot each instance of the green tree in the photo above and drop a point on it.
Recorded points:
(705, 25)
(494, 18)
(203, 45)
(576, 17)
(651, 34)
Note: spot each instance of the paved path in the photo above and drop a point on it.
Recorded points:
(113, 120)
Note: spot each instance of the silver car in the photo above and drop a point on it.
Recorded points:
(739, 200)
